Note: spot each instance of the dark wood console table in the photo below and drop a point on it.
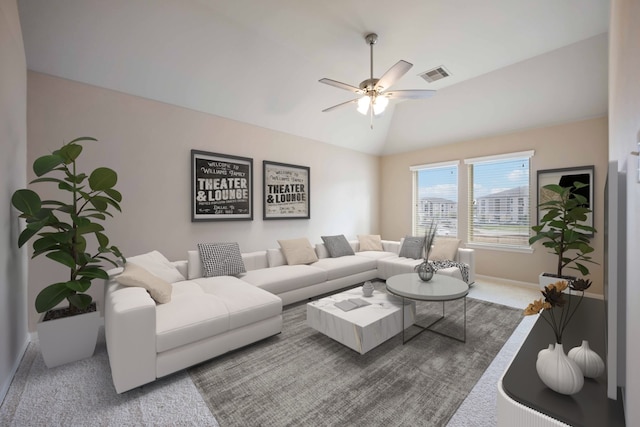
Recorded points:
(590, 406)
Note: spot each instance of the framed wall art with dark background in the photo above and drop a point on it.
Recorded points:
(221, 187)
(565, 178)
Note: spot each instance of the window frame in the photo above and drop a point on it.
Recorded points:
(415, 170)
(521, 155)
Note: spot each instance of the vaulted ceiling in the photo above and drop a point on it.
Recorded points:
(514, 64)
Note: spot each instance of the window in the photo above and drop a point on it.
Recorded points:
(436, 197)
(499, 200)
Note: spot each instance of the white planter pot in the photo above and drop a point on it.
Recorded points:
(68, 339)
(548, 280)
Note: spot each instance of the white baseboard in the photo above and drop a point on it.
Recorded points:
(493, 279)
(16, 364)
(536, 286)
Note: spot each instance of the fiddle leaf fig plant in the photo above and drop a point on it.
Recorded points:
(61, 228)
(562, 228)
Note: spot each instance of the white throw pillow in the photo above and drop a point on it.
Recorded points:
(134, 275)
(444, 249)
(156, 263)
(371, 242)
(298, 251)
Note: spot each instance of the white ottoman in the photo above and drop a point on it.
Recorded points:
(363, 328)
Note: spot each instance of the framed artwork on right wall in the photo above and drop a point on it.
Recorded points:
(566, 177)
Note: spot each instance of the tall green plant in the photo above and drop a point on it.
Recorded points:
(562, 228)
(61, 227)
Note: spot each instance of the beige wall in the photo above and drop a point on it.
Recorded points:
(574, 144)
(13, 139)
(148, 143)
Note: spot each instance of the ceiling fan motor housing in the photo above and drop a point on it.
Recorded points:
(369, 84)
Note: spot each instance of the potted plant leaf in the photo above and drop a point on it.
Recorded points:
(62, 228)
(562, 229)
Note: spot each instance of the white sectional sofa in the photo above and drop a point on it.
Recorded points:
(210, 316)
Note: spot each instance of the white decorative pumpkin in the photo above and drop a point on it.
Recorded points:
(591, 365)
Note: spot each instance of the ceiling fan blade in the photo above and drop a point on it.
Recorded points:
(409, 94)
(353, 101)
(393, 74)
(341, 85)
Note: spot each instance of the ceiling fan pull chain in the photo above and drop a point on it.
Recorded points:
(371, 110)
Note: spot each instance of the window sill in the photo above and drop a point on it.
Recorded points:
(501, 248)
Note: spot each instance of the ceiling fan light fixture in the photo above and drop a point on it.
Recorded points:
(379, 104)
(363, 105)
(373, 94)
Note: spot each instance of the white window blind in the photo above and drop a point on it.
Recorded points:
(436, 198)
(499, 199)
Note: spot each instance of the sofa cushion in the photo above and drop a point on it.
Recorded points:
(444, 249)
(255, 260)
(192, 315)
(370, 242)
(298, 251)
(194, 267)
(321, 251)
(412, 247)
(156, 263)
(221, 259)
(391, 266)
(246, 303)
(285, 278)
(337, 246)
(275, 258)
(376, 254)
(345, 266)
(134, 275)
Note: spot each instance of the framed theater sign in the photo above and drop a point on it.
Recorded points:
(221, 187)
(286, 191)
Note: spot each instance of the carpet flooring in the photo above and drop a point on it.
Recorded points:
(302, 377)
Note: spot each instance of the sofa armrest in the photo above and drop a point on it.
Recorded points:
(130, 332)
(468, 256)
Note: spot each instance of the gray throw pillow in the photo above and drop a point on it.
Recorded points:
(221, 259)
(337, 246)
(412, 247)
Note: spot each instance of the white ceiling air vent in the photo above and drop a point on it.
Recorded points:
(435, 74)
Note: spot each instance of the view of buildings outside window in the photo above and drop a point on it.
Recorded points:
(499, 202)
(437, 199)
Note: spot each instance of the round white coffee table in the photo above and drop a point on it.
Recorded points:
(439, 288)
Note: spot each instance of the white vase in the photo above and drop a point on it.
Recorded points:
(558, 372)
(590, 363)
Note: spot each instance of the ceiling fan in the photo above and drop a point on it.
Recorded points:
(374, 93)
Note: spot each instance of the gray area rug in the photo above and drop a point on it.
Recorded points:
(302, 377)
